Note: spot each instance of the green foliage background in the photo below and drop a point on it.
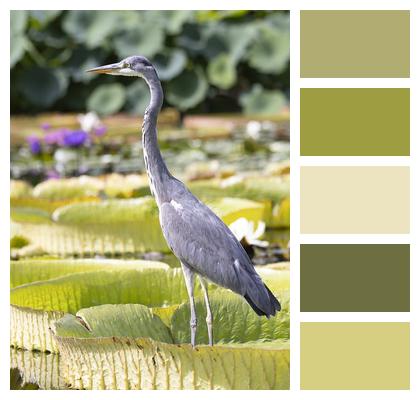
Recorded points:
(209, 61)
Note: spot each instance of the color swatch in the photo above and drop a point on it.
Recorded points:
(355, 44)
(355, 199)
(355, 277)
(355, 355)
(355, 122)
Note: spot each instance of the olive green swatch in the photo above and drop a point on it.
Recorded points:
(355, 355)
(355, 44)
(354, 277)
(355, 122)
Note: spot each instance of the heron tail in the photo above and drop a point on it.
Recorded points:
(265, 308)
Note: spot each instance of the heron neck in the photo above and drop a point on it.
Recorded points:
(155, 165)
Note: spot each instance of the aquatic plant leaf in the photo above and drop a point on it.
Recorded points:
(19, 188)
(70, 188)
(110, 320)
(188, 89)
(145, 38)
(107, 99)
(38, 368)
(126, 363)
(269, 53)
(262, 101)
(44, 17)
(170, 63)
(75, 23)
(18, 21)
(118, 226)
(138, 97)
(43, 86)
(234, 321)
(100, 342)
(18, 44)
(222, 71)
(38, 303)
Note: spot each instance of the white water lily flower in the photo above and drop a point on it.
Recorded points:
(231, 181)
(89, 122)
(253, 129)
(244, 231)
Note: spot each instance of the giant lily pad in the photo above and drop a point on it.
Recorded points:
(114, 226)
(138, 97)
(65, 189)
(270, 52)
(188, 89)
(262, 101)
(138, 357)
(107, 99)
(222, 71)
(43, 86)
(145, 38)
(77, 284)
(170, 63)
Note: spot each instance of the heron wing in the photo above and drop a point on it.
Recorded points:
(203, 242)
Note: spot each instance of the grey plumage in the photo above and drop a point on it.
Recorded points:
(200, 240)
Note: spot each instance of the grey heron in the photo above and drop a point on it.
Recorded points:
(201, 241)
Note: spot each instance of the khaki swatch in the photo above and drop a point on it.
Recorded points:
(355, 355)
(355, 277)
(355, 122)
(355, 200)
(355, 44)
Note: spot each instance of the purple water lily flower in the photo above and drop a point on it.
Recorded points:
(56, 137)
(100, 130)
(75, 138)
(46, 126)
(34, 143)
(52, 174)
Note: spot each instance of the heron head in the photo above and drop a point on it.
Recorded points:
(131, 66)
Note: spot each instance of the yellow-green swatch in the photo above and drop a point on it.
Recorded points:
(354, 199)
(355, 44)
(355, 122)
(355, 355)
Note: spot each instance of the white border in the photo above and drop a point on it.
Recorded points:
(294, 6)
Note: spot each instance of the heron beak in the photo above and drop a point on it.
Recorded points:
(105, 69)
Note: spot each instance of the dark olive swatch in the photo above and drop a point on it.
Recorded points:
(354, 277)
(355, 122)
(355, 44)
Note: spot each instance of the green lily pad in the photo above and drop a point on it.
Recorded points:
(233, 321)
(79, 284)
(138, 97)
(188, 89)
(108, 320)
(170, 63)
(19, 189)
(43, 86)
(107, 99)
(262, 101)
(270, 52)
(66, 189)
(145, 38)
(18, 44)
(222, 71)
(18, 21)
(98, 334)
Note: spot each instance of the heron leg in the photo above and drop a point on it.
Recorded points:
(209, 317)
(189, 282)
